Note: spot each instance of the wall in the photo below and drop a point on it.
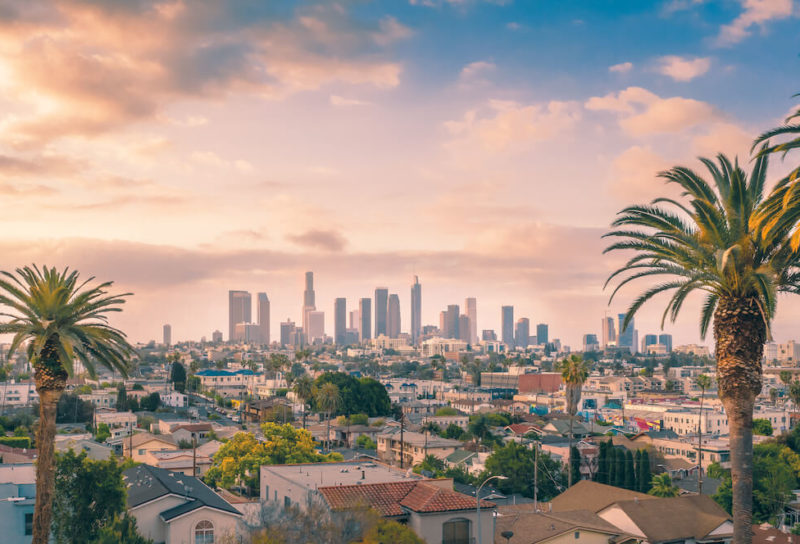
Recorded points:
(429, 526)
(181, 530)
(147, 520)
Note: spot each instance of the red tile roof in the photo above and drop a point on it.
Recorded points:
(391, 498)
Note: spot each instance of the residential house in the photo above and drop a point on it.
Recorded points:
(16, 456)
(173, 508)
(593, 496)
(119, 423)
(561, 427)
(185, 433)
(347, 435)
(575, 526)
(13, 393)
(17, 499)
(93, 450)
(144, 444)
(413, 446)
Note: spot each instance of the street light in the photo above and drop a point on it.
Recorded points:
(478, 502)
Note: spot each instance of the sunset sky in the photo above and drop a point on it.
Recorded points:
(183, 149)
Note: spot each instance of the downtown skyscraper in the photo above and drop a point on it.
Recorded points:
(416, 311)
(262, 312)
(339, 321)
(381, 310)
(471, 311)
(239, 311)
(393, 317)
(365, 315)
(507, 323)
(309, 302)
(608, 332)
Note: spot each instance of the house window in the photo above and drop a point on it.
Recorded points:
(287, 502)
(456, 532)
(577, 535)
(28, 524)
(204, 533)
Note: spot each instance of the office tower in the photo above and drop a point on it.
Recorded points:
(609, 335)
(248, 332)
(309, 302)
(365, 313)
(381, 308)
(287, 330)
(168, 335)
(471, 309)
(649, 340)
(339, 325)
(508, 325)
(443, 323)
(416, 311)
(216, 336)
(239, 311)
(316, 327)
(355, 320)
(627, 337)
(542, 337)
(488, 335)
(262, 310)
(666, 340)
(393, 317)
(590, 342)
(451, 321)
(522, 332)
(463, 328)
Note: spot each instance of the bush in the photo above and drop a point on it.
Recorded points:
(446, 411)
(366, 442)
(16, 441)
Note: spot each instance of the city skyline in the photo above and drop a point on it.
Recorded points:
(369, 146)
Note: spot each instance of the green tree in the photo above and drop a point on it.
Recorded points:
(789, 135)
(602, 463)
(645, 478)
(303, 388)
(630, 471)
(662, 486)
(71, 409)
(365, 442)
(516, 462)
(446, 411)
(637, 462)
(453, 431)
(328, 399)
(122, 398)
(739, 246)
(62, 320)
(103, 433)
(574, 371)
(121, 530)
(178, 375)
(612, 464)
(391, 532)
(619, 468)
(762, 427)
(87, 494)
(575, 464)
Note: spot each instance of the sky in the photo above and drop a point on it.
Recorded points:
(186, 148)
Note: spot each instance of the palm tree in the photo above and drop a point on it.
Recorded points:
(790, 128)
(574, 371)
(663, 487)
(62, 321)
(304, 389)
(427, 428)
(328, 400)
(703, 382)
(739, 246)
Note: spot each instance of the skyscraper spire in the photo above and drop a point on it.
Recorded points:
(308, 300)
(416, 311)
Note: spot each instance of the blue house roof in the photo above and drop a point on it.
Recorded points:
(214, 372)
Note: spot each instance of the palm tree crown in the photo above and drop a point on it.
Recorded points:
(790, 128)
(574, 371)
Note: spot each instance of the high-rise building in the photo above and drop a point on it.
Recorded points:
(488, 335)
(416, 310)
(239, 311)
(262, 310)
(463, 328)
(355, 321)
(381, 308)
(590, 342)
(216, 336)
(649, 340)
(288, 328)
(167, 335)
(316, 327)
(309, 299)
(522, 333)
(542, 334)
(666, 341)
(393, 317)
(365, 314)
(451, 321)
(508, 325)
(339, 324)
(609, 335)
(471, 309)
(627, 337)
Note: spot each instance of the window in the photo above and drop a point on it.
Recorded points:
(577, 535)
(204, 533)
(287, 502)
(28, 524)
(456, 532)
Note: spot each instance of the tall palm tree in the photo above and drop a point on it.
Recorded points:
(62, 321)
(574, 371)
(738, 246)
(790, 128)
(304, 389)
(328, 400)
(663, 487)
(703, 382)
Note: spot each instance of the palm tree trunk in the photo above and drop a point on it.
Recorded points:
(45, 464)
(700, 444)
(740, 333)
(569, 469)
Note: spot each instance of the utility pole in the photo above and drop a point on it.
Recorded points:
(194, 455)
(402, 443)
(535, 476)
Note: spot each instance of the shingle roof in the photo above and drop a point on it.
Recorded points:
(146, 483)
(678, 518)
(395, 498)
(593, 496)
(530, 527)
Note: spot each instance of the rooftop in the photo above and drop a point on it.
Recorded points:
(531, 527)
(593, 496)
(314, 475)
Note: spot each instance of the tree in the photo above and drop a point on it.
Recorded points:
(602, 463)
(71, 409)
(178, 375)
(630, 471)
(703, 382)
(762, 427)
(575, 464)
(391, 532)
(64, 320)
(516, 462)
(365, 442)
(121, 530)
(453, 431)
(103, 433)
(328, 400)
(619, 468)
(662, 486)
(643, 472)
(574, 371)
(637, 461)
(739, 246)
(87, 494)
(151, 402)
(612, 464)
(363, 395)
(122, 398)
(303, 388)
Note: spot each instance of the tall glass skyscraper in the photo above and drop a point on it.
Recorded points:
(339, 321)
(508, 325)
(416, 311)
(239, 311)
(381, 310)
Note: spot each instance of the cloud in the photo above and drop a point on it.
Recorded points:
(756, 13)
(476, 69)
(391, 30)
(644, 113)
(513, 26)
(340, 101)
(328, 240)
(633, 175)
(209, 158)
(508, 125)
(39, 165)
(622, 68)
(683, 68)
